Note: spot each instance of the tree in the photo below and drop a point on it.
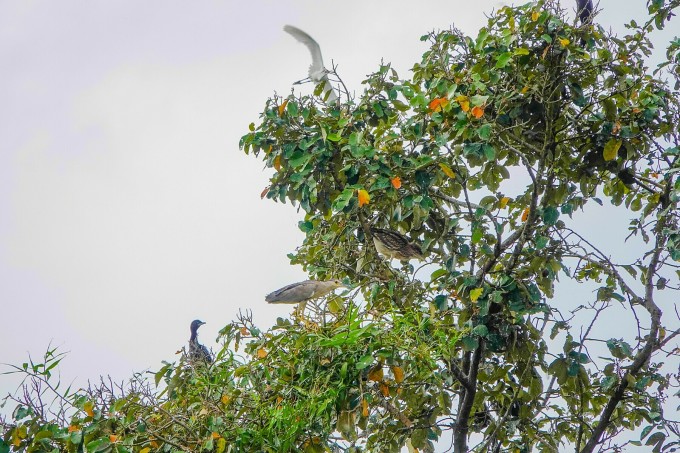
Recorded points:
(488, 157)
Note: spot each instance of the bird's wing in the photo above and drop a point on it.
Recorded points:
(391, 239)
(296, 292)
(317, 71)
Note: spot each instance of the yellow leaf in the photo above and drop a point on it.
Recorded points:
(525, 89)
(113, 438)
(225, 399)
(364, 408)
(384, 389)
(376, 373)
(503, 202)
(475, 293)
(611, 149)
(398, 374)
(396, 182)
(534, 16)
(447, 170)
(564, 41)
(437, 104)
(464, 102)
(525, 214)
(277, 162)
(478, 112)
(89, 408)
(145, 450)
(221, 445)
(282, 107)
(364, 197)
(261, 353)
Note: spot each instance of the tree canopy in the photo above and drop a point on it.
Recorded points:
(491, 156)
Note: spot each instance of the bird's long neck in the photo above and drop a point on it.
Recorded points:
(194, 335)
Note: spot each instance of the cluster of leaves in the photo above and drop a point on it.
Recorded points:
(487, 157)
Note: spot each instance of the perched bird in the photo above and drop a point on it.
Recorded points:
(303, 291)
(317, 71)
(197, 352)
(584, 10)
(395, 245)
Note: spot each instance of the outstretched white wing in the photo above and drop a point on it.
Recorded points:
(317, 71)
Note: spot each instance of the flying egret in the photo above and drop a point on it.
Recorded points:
(395, 245)
(317, 71)
(197, 352)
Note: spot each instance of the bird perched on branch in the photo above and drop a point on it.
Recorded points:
(303, 291)
(584, 10)
(395, 245)
(197, 352)
(317, 71)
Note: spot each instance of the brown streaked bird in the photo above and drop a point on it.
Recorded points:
(303, 291)
(395, 245)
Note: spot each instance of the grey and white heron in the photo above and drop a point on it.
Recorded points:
(317, 71)
(303, 291)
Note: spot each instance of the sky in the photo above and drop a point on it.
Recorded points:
(126, 208)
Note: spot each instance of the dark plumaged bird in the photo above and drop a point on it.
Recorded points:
(317, 71)
(584, 10)
(302, 291)
(395, 245)
(197, 352)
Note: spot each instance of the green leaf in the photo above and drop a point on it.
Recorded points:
(611, 149)
(503, 60)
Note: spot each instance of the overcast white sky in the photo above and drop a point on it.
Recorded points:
(126, 207)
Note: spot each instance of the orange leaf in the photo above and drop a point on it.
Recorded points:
(89, 408)
(655, 175)
(376, 373)
(503, 202)
(525, 214)
(364, 408)
(244, 331)
(279, 400)
(364, 197)
(113, 438)
(282, 107)
(398, 374)
(261, 353)
(225, 399)
(384, 389)
(264, 192)
(464, 102)
(73, 428)
(154, 444)
(437, 104)
(447, 170)
(396, 182)
(277, 162)
(215, 435)
(478, 112)
(616, 128)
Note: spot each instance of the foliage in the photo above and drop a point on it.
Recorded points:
(489, 156)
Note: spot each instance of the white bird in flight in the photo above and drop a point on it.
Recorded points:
(317, 72)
